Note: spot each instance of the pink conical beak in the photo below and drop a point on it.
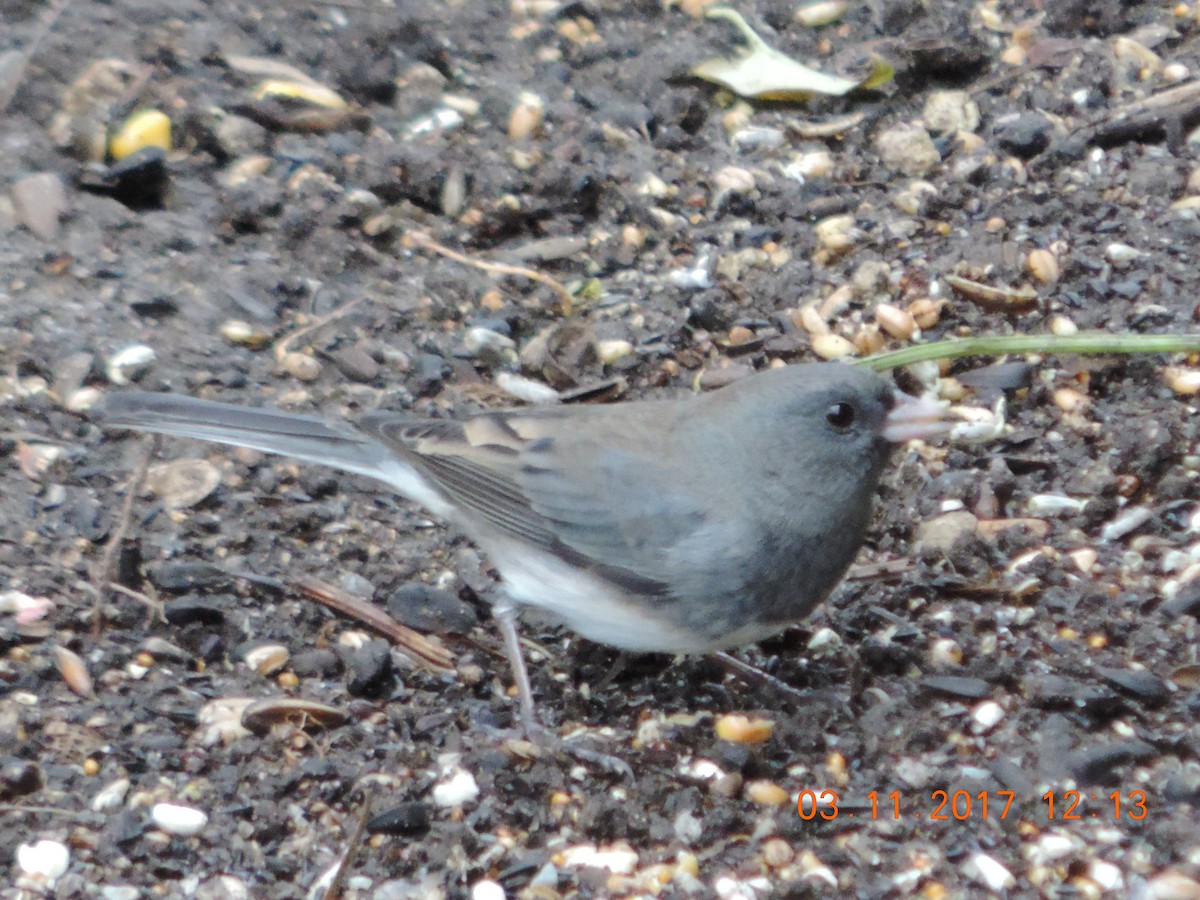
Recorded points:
(915, 417)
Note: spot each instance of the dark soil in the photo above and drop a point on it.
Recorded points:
(1002, 665)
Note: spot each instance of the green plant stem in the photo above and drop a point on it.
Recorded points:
(1095, 342)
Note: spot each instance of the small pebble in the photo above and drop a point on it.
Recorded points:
(945, 652)
(110, 797)
(457, 789)
(946, 112)
(301, 366)
(1171, 885)
(356, 363)
(1084, 559)
(942, 532)
(978, 424)
(1121, 255)
(1129, 520)
(757, 137)
(442, 119)
(809, 166)
(613, 351)
(44, 861)
(1070, 400)
(777, 853)
(824, 642)
(267, 659)
(1062, 326)
(183, 821)
(482, 342)
(83, 399)
(1106, 875)
(487, 890)
(1173, 73)
(907, 149)
(526, 389)
(1050, 847)
(910, 198)
(619, 858)
(989, 871)
(129, 364)
(40, 201)
(986, 716)
(821, 12)
(220, 721)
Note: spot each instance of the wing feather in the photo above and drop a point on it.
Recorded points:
(527, 476)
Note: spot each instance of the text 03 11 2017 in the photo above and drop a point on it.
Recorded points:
(951, 805)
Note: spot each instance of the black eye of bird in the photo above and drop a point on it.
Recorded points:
(840, 416)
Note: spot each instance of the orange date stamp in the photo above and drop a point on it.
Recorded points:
(945, 805)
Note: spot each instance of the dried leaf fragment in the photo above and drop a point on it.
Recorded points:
(1000, 299)
(759, 71)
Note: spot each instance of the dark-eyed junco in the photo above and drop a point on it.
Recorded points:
(678, 526)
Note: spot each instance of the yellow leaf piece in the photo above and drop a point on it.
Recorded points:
(761, 72)
(148, 128)
(881, 73)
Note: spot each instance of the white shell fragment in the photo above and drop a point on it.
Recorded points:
(267, 659)
(443, 119)
(220, 721)
(1128, 521)
(820, 12)
(487, 890)
(128, 365)
(456, 789)
(44, 861)
(1106, 875)
(693, 279)
(613, 351)
(526, 388)
(990, 872)
(1121, 255)
(978, 424)
(480, 341)
(183, 821)
(110, 797)
(1054, 505)
(619, 859)
(987, 715)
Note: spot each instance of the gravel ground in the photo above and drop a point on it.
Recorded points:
(1022, 624)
